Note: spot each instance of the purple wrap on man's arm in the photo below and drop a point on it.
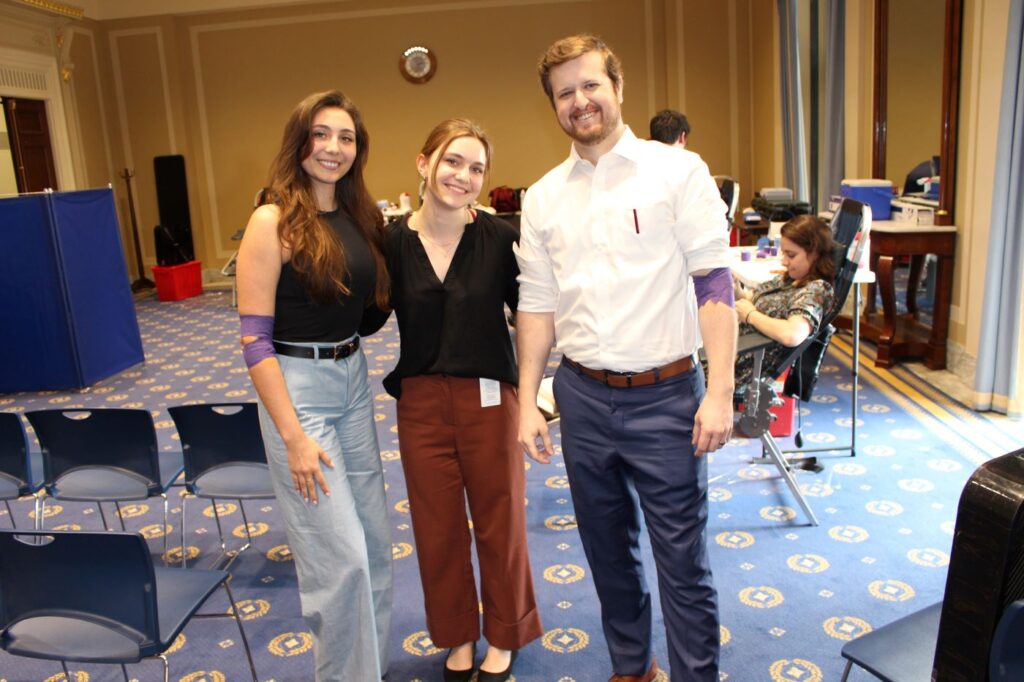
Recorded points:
(714, 286)
(261, 347)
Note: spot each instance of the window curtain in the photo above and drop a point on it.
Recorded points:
(794, 148)
(835, 120)
(998, 380)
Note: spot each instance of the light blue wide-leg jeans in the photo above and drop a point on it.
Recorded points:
(342, 545)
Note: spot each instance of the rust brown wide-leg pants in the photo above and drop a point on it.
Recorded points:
(451, 444)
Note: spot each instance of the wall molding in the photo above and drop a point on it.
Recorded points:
(100, 97)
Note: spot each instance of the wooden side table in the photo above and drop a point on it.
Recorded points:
(901, 336)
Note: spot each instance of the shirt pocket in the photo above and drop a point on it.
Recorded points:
(644, 230)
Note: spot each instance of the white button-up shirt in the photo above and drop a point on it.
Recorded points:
(609, 249)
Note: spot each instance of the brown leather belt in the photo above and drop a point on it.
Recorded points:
(633, 379)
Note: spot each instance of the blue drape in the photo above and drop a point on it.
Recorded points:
(997, 386)
(835, 84)
(794, 147)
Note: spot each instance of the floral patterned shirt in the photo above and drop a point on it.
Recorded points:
(781, 298)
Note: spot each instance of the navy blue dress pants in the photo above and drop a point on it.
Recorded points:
(629, 450)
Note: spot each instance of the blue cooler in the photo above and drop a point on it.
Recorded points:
(875, 193)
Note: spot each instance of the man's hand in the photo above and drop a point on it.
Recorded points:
(533, 426)
(712, 427)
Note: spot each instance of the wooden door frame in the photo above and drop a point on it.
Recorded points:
(43, 69)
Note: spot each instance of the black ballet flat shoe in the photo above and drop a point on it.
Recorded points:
(459, 675)
(484, 676)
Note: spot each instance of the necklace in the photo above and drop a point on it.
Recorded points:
(445, 247)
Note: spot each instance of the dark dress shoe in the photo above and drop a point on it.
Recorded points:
(646, 677)
(484, 676)
(459, 675)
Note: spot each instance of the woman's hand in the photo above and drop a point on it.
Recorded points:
(743, 309)
(304, 457)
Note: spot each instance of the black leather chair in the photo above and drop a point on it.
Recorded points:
(759, 396)
(729, 189)
(975, 633)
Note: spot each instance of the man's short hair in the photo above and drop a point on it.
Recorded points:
(667, 125)
(571, 47)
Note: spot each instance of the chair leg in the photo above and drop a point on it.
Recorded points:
(241, 631)
(772, 449)
(124, 671)
(10, 514)
(167, 667)
(166, 530)
(846, 671)
(226, 558)
(103, 517)
(184, 554)
(120, 516)
(40, 508)
(67, 673)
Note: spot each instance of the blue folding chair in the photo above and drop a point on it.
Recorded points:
(104, 455)
(21, 471)
(901, 651)
(93, 597)
(224, 458)
(1006, 657)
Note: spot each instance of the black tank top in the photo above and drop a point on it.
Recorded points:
(298, 318)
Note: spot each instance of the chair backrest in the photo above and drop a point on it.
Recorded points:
(850, 227)
(100, 577)
(113, 437)
(14, 462)
(729, 189)
(217, 434)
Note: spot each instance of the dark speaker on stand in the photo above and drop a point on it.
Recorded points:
(173, 236)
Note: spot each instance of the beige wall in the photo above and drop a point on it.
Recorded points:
(217, 87)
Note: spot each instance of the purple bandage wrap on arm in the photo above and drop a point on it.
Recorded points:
(260, 348)
(714, 286)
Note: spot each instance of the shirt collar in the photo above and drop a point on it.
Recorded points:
(628, 147)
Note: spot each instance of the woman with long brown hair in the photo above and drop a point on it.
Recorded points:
(453, 271)
(310, 262)
(789, 307)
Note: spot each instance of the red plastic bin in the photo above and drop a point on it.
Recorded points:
(175, 282)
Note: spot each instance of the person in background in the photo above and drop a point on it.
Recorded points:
(670, 127)
(453, 271)
(309, 263)
(789, 307)
(624, 261)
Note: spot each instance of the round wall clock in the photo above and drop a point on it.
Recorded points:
(417, 64)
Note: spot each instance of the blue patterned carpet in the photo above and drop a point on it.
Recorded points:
(790, 595)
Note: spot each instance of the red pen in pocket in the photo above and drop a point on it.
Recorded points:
(636, 222)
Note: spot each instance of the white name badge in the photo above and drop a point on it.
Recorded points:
(490, 393)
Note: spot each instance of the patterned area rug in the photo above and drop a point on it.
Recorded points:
(790, 594)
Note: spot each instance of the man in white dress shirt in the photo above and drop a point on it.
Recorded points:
(624, 261)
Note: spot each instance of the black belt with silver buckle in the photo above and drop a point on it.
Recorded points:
(339, 352)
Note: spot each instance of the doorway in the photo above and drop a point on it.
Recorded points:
(29, 138)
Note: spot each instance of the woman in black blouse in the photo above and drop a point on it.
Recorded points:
(453, 271)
